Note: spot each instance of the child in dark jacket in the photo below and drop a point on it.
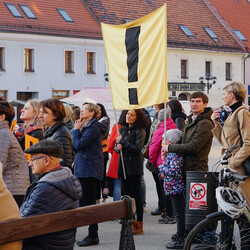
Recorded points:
(172, 172)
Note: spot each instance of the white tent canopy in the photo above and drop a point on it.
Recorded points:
(94, 95)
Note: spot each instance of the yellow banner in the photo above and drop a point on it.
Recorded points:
(29, 141)
(136, 55)
(12, 126)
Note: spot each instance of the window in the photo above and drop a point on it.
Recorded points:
(91, 62)
(2, 59)
(184, 69)
(28, 60)
(69, 63)
(207, 68)
(27, 11)
(13, 10)
(211, 34)
(3, 94)
(186, 30)
(238, 33)
(228, 71)
(65, 15)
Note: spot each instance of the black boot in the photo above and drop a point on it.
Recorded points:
(88, 242)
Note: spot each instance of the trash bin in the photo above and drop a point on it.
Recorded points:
(200, 196)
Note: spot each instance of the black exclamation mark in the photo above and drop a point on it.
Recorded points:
(132, 48)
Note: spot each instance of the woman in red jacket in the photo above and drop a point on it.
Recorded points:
(113, 165)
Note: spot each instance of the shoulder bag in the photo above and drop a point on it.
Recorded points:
(246, 163)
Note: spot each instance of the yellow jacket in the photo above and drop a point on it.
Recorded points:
(8, 210)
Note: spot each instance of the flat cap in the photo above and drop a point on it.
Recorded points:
(47, 147)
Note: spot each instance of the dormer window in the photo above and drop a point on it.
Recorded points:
(13, 10)
(65, 15)
(239, 34)
(27, 11)
(186, 30)
(211, 34)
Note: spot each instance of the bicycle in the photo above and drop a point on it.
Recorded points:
(230, 228)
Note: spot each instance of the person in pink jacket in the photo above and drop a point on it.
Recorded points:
(155, 159)
(155, 145)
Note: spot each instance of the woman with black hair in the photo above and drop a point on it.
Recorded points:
(177, 114)
(104, 125)
(130, 141)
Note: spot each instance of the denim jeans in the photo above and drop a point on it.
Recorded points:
(117, 189)
(178, 203)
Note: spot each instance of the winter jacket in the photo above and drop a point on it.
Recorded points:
(58, 132)
(15, 165)
(179, 119)
(33, 130)
(55, 191)
(172, 168)
(156, 143)
(89, 156)
(228, 135)
(196, 142)
(9, 210)
(113, 165)
(132, 142)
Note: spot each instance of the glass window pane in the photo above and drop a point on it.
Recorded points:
(14, 11)
(238, 33)
(65, 15)
(211, 33)
(27, 11)
(186, 30)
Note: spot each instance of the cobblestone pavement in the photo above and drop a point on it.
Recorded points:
(155, 235)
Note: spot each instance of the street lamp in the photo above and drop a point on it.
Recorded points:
(208, 77)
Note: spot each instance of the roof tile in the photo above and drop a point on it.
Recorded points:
(49, 21)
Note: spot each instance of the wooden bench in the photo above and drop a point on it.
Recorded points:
(22, 228)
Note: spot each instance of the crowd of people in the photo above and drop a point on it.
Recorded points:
(70, 166)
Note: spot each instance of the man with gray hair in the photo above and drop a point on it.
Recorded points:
(57, 189)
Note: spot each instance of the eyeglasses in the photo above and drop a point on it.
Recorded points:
(36, 158)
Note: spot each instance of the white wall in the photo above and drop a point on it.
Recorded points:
(49, 66)
(196, 69)
(49, 54)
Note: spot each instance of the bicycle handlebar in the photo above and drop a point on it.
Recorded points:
(228, 152)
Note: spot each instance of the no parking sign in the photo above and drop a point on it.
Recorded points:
(198, 195)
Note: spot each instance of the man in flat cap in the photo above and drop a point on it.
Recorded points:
(57, 189)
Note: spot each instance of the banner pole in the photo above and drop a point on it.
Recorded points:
(121, 154)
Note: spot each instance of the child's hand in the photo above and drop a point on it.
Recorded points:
(162, 176)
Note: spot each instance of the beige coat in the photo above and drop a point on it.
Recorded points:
(229, 136)
(8, 210)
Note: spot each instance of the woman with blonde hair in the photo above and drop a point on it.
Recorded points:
(68, 118)
(236, 129)
(31, 125)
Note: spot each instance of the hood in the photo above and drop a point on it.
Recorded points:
(206, 114)
(65, 181)
(178, 114)
(169, 124)
(4, 124)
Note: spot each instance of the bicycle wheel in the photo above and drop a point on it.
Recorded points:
(219, 231)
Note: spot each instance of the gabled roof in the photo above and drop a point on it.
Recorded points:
(193, 13)
(49, 21)
(237, 14)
